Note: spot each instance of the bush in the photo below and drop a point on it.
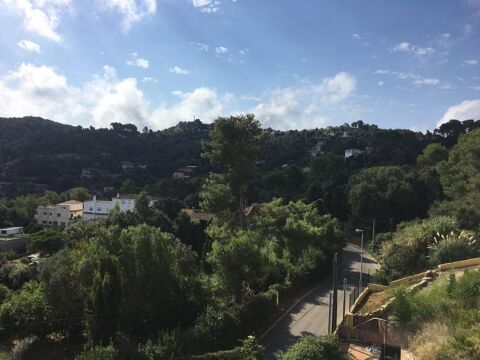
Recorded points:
(315, 348)
(98, 353)
(452, 248)
(46, 241)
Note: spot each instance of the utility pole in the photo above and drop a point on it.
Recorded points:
(329, 311)
(344, 296)
(360, 285)
(335, 295)
(373, 232)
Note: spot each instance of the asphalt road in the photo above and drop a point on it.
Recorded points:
(310, 315)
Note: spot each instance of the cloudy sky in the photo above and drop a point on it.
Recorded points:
(293, 63)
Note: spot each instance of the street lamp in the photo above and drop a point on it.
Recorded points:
(361, 257)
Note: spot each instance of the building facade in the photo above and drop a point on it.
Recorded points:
(60, 215)
(99, 209)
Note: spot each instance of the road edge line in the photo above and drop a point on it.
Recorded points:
(291, 307)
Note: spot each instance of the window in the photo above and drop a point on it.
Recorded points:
(58, 214)
(44, 222)
(91, 208)
(4, 231)
(99, 209)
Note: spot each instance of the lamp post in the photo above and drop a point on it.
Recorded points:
(361, 258)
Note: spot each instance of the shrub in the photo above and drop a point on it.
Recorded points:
(46, 241)
(98, 353)
(315, 348)
(452, 248)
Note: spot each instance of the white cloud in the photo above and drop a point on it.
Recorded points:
(305, 106)
(203, 103)
(113, 100)
(149, 79)
(418, 51)
(105, 98)
(29, 46)
(41, 91)
(178, 70)
(381, 83)
(207, 6)
(136, 61)
(42, 17)
(132, 11)
(468, 109)
(427, 81)
(470, 62)
(243, 52)
(356, 36)
(476, 87)
(200, 46)
(220, 50)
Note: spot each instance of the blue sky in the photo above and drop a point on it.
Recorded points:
(293, 63)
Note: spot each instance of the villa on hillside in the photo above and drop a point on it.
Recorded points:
(60, 215)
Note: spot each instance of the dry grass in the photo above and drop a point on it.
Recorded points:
(427, 342)
(374, 301)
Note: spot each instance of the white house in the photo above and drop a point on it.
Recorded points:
(12, 232)
(12, 239)
(352, 152)
(99, 209)
(60, 215)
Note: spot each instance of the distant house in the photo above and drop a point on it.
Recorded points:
(196, 215)
(60, 215)
(12, 239)
(142, 166)
(185, 172)
(127, 166)
(12, 232)
(87, 174)
(352, 153)
(317, 149)
(100, 209)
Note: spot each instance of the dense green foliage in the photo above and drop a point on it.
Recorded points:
(315, 348)
(153, 284)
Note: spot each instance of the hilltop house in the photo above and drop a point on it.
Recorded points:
(352, 153)
(60, 215)
(99, 209)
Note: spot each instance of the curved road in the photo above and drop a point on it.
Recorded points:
(310, 315)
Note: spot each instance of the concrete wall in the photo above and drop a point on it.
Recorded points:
(15, 244)
(408, 279)
(459, 264)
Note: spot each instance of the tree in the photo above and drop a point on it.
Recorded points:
(142, 206)
(27, 311)
(427, 165)
(233, 145)
(315, 348)
(238, 263)
(79, 194)
(383, 193)
(46, 241)
(460, 179)
(216, 198)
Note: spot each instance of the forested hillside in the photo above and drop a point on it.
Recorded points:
(38, 154)
(153, 284)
